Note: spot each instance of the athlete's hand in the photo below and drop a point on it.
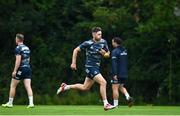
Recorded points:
(102, 52)
(73, 66)
(14, 74)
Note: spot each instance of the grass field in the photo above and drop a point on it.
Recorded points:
(90, 110)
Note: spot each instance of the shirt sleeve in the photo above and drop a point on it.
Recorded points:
(84, 45)
(114, 59)
(18, 51)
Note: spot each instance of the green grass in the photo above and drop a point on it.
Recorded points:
(90, 110)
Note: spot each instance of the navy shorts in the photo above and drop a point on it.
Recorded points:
(119, 80)
(23, 73)
(91, 72)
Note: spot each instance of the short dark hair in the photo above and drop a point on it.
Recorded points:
(20, 36)
(96, 29)
(118, 40)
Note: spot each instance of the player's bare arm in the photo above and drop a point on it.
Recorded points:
(17, 64)
(74, 58)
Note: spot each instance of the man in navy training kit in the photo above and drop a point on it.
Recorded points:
(95, 49)
(119, 71)
(22, 71)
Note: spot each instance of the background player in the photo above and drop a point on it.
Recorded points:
(22, 71)
(119, 71)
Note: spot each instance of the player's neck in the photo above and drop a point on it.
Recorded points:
(117, 46)
(95, 40)
(20, 43)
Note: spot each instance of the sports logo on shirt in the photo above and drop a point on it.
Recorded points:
(123, 53)
(87, 71)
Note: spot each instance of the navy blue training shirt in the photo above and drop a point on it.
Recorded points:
(92, 48)
(119, 62)
(24, 51)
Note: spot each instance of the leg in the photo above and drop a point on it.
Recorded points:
(13, 86)
(122, 88)
(12, 93)
(129, 99)
(115, 89)
(27, 85)
(99, 79)
(124, 91)
(87, 85)
(83, 87)
(102, 82)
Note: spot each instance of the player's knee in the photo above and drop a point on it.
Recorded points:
(115, 88)
(85, 88)
(104, 83)
(13, 85)
(121, 86)
(115, 91)
(27, 86)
